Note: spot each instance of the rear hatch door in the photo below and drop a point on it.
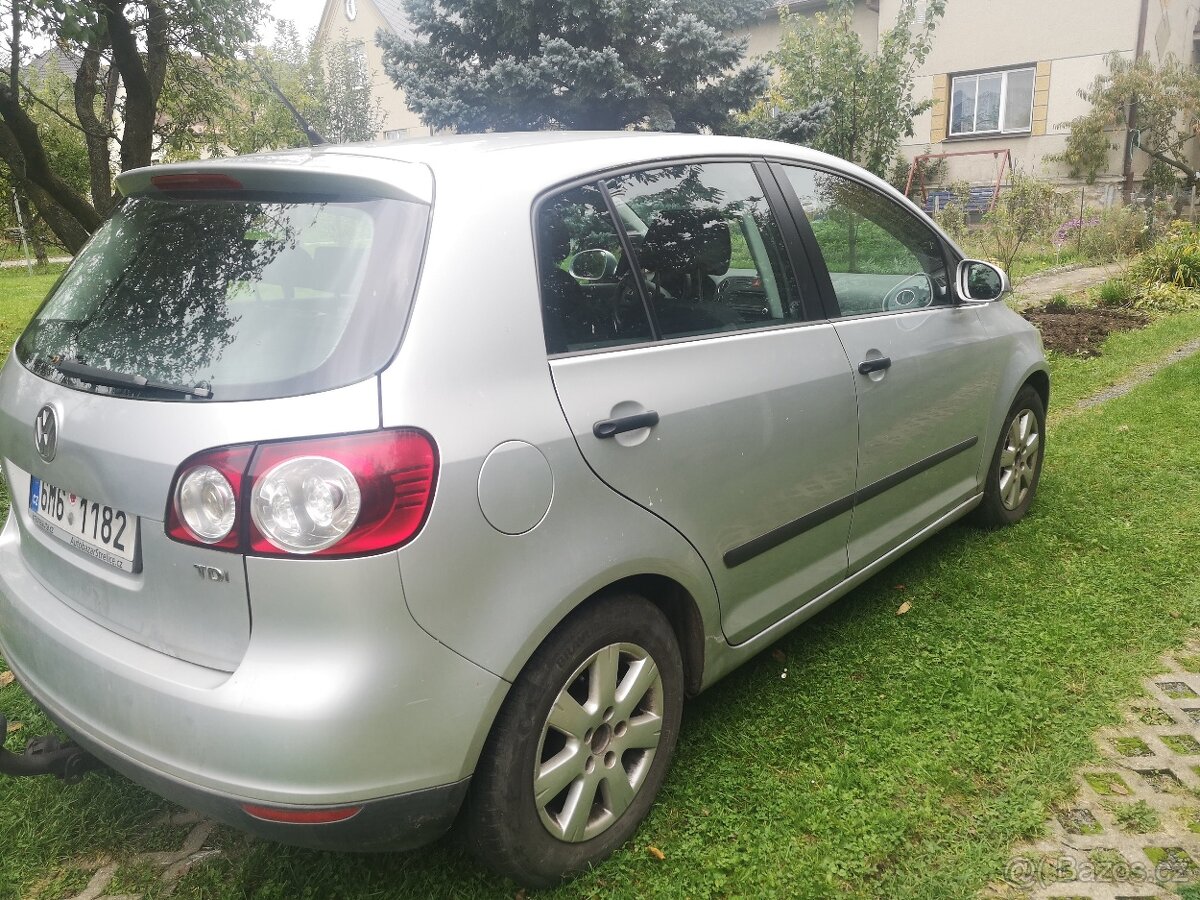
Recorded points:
(231, 304)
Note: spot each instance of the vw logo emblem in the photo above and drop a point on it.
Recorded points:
(45, 432)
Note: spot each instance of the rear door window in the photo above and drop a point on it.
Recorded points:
(248, 299)
(708, 246)
(589, 297)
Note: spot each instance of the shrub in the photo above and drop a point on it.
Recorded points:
(1116, 232)
(1167, 297)
(1026, 212)
(1173, 260)
(1115, 292)
(953, 216)
(1105, 235)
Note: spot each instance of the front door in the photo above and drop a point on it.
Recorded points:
(699, 389)
(924, 369)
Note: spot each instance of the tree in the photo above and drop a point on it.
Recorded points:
(49, 105)
(343, 109)
(480, 65)
(854, 102)
(138, 61)
(1167, 101)
(328, 84)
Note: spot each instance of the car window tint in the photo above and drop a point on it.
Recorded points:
(589, 300)
(708, 247)
(881, 257)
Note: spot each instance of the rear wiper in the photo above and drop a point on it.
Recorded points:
(108, 378)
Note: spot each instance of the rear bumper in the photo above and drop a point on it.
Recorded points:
(400, 822)
(341, 699)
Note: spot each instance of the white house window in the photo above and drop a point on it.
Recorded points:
(394, 134)
(992, 102)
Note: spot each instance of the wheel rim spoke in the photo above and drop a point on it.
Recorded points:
(578, 808)
(643, 733)
(603, 678)
(557, 773)
(618, 792)
(1031, 443)
(639, 679)
(1014, 490)
(569, 717)
(1008, 456)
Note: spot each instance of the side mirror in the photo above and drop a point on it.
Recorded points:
(981, 282)
(593, 265)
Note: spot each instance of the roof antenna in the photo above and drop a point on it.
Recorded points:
(314, 137)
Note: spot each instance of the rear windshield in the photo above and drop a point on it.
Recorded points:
(245, 300)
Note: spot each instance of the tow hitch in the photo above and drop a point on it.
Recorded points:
(46, 755)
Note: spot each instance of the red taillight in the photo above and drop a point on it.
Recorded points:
(389, 476)
(230, 462)
(324, 816)
(185, 182)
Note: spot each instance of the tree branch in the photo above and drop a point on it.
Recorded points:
(45, 105)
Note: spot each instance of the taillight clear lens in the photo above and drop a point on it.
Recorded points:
(305, 504)
(206, 503)
(201, 517)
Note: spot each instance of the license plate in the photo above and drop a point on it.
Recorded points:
(106, 534)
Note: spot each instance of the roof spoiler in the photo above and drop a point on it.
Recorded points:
(340, 175)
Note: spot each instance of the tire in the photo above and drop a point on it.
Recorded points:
(1016, 465)
(621, 641)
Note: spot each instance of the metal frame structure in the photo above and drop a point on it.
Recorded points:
(1002, 157)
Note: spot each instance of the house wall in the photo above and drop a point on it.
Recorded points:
(367, 21)
(764, 37)
(1069, 40)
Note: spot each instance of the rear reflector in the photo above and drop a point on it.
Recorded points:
(324, 816)
(195, 181)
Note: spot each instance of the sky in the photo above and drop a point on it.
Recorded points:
(305, 13)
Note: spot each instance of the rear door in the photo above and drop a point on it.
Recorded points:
(925, 370)
(701, 390)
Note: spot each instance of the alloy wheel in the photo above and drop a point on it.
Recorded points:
(598, 742)
(1019, 459)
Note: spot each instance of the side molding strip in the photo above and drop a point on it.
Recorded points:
(784, 533)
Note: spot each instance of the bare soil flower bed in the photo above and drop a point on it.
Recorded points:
(1079, 331)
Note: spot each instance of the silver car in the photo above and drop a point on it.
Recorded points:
(362, 490)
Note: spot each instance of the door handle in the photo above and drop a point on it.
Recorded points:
(867, 366)
(607, 428)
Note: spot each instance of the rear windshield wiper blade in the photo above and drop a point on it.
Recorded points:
(108, 378)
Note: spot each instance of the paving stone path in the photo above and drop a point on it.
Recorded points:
(173, 863)
(1133, 830)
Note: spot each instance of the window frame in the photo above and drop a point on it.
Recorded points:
(1005, 72)
(826, 291)
(804, 274)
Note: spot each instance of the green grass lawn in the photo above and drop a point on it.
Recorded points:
(899, 757)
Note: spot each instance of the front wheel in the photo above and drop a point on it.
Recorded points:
(581, 745)
(1016, 466)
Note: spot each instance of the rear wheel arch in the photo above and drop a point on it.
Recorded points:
(676, 603)
(681, 610)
